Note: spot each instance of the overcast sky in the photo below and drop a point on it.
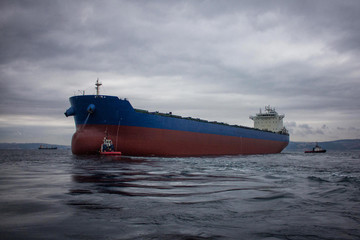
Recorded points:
(215, 60)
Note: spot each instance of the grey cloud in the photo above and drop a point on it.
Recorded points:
(305, 126)
(300, 55)
(290, 124)
(23, 27)
(305, 130)
(354, 129)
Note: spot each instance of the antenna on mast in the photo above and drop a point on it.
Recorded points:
(97, 84)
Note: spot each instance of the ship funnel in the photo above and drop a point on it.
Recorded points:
(91, 108)
(69, 112)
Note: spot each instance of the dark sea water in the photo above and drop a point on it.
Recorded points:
(55, 195)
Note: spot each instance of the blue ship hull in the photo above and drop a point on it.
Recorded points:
(141, 133)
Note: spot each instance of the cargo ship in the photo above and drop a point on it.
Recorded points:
(136, 132)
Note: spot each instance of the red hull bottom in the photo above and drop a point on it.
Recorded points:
(139, 141)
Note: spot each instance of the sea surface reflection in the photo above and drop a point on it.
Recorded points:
(56, 195)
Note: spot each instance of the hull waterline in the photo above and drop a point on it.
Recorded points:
(141, 133)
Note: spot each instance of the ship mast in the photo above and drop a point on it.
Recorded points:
(97, 84)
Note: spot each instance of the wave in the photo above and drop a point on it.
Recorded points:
(274, 196)
(317, 179)
(349, 179)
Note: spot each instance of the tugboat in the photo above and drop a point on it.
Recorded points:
(316, 149)
(107, 148)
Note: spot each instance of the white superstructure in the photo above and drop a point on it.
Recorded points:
(269, 121)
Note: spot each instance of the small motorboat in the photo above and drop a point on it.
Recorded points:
(110, 153)
(316, 149)
(107, 148)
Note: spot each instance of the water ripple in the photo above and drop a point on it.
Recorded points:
(280, 196)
